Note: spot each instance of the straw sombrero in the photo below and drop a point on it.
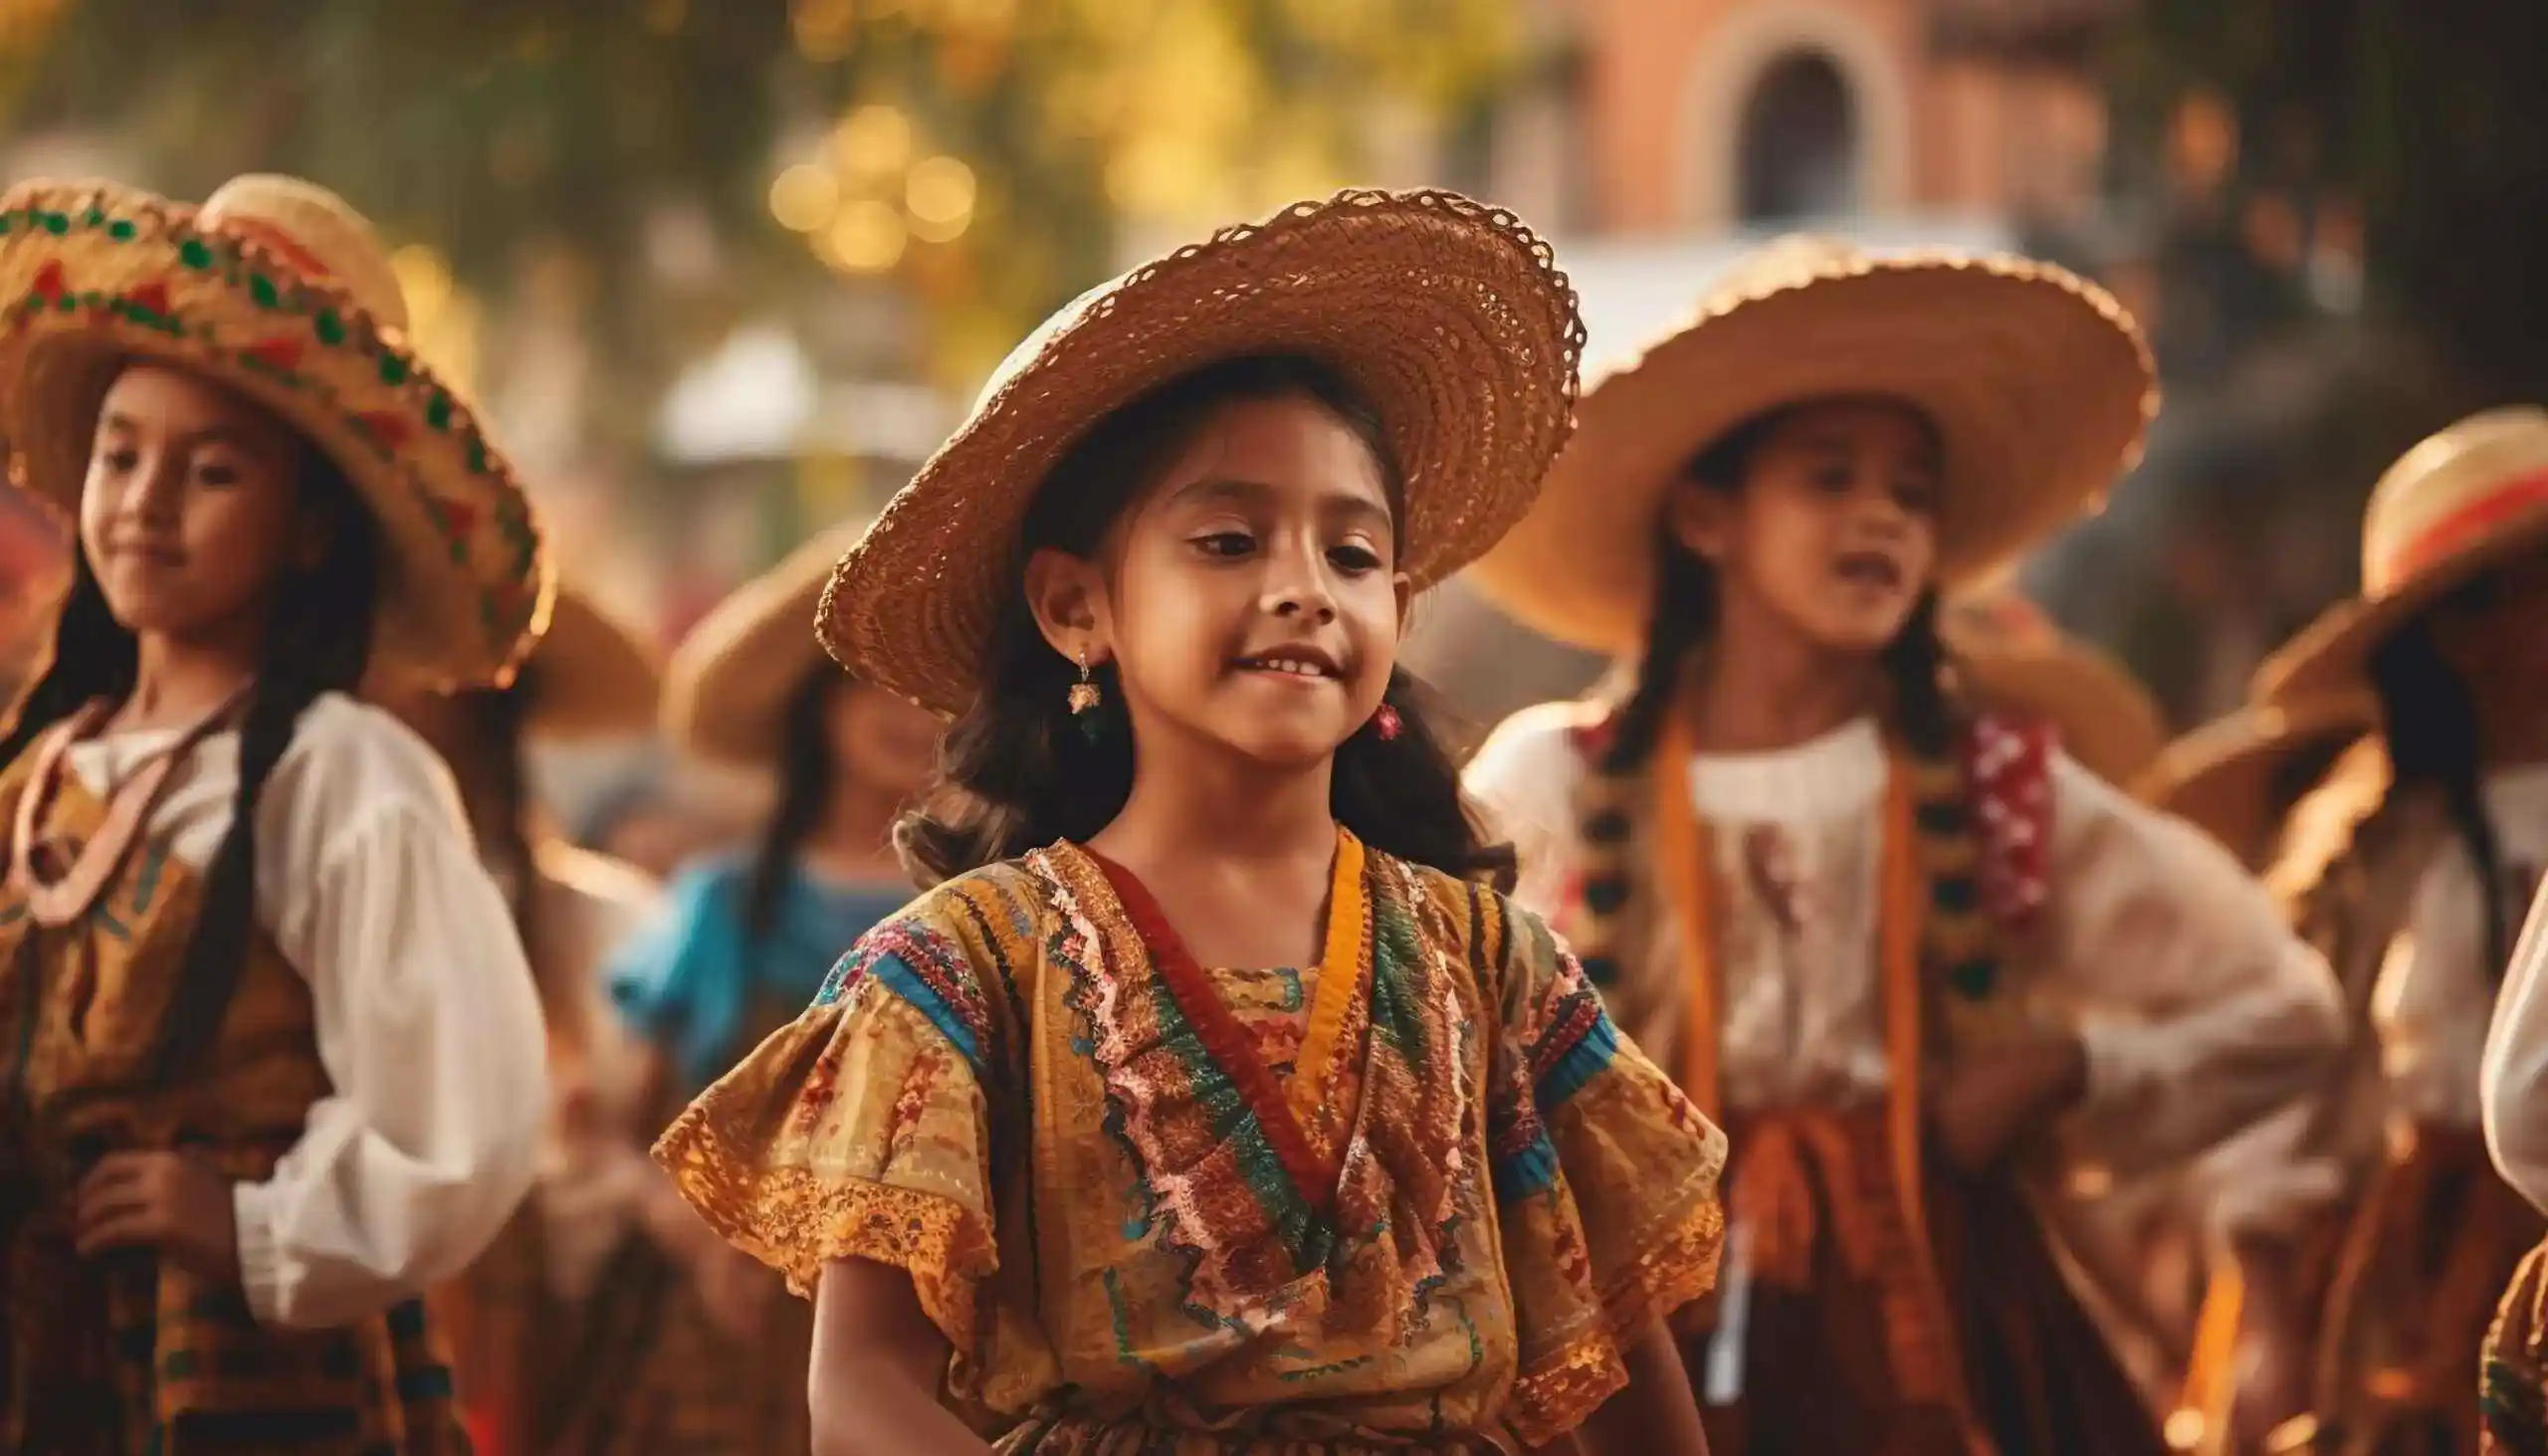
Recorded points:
(1449, 317)
(2221, 777)
(591, 676)
(2038, 381)
(279, 289)
(730, 679)
(2462, 502)
(2010, 655)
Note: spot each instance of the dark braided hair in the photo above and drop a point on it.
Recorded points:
(492, 764)
(318, 640)
(2431, 726)
(805, 780)
(1021, 772)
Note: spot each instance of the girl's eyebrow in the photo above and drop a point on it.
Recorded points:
(1234, 491)
(214, 434)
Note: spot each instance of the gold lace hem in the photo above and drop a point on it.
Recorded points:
(796, 1220)
(1559, 1391)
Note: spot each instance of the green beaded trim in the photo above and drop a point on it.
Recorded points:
(333, 324)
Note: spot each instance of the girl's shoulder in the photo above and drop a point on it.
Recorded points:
(1546, 738)
(352, 762)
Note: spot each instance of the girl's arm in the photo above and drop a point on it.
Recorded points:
(1656, 1414)
(2197, 1010)
(878, 1363)
(431, 1035)
(2513, 1080)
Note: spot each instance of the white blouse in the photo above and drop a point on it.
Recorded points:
(426, 1019)
(2512, 1082)
(2199, 1011)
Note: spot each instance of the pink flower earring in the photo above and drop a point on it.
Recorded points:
(1386, 723)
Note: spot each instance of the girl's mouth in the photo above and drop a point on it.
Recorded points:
(1870, 569)
(1307, 664)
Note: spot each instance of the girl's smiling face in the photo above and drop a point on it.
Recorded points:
(1832, 525)
(1250, 596)
(192, 510)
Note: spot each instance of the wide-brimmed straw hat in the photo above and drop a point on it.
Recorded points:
(2221, 777)
(2037, 380)
(1449, 318)
(277, 288)
(729, 683)
(591, 676)
(2010, 655)
(2461, 503)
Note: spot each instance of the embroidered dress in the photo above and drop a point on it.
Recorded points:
(1435, 1234)
(1876, 1297)
(325, 1346)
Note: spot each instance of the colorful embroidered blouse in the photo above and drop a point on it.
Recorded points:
(1126, 1219)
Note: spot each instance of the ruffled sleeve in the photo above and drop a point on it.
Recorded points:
(1605, 1173)
(862, 1129)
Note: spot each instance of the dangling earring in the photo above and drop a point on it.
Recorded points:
(1084, 695)
(1386, 722)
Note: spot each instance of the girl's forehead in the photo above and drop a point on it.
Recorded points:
(1272, 451)
(149, 396)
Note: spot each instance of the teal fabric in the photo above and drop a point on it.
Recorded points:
(687, 983)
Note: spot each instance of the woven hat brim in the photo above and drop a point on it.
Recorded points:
(591, 676)
(93, 275)
(2333, 653)
(728, 683)
(2218, 778)
(2040, 385)
(1450, 320)
(2105, 719)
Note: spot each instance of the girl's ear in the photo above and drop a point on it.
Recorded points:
(1700, 519)
(1067, 594)
(1405, 586)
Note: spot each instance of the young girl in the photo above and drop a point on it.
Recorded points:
(1207, 1104)
(694, 1344)
(277, 1059)
(2407, 867)
(1896, 941)
(523, 1302)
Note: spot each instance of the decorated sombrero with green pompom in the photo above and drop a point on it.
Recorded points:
(279, 289)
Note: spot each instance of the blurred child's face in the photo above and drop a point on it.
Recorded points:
(191, 511)
(1250, 597)
(889, 745)
(1834, 528)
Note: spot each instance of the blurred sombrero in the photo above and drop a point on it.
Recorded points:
(591, 676)
(275, 288)
(2222, 776)
(2010, 655)
(2038, 382)
(1450, 319)
(2467, 501)
(729, 683)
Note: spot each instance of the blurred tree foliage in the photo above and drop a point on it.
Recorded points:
(499, 130)
(2412, 135)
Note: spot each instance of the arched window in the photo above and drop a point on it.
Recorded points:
(1800, 142)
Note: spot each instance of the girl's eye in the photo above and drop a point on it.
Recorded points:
(1834, 478)
(1355, 559)
(1919, 497)
(217, 473)
(1227, 545)
(121, 459)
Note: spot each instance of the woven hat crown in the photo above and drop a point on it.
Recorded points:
(2457, 470)
(315, 231)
